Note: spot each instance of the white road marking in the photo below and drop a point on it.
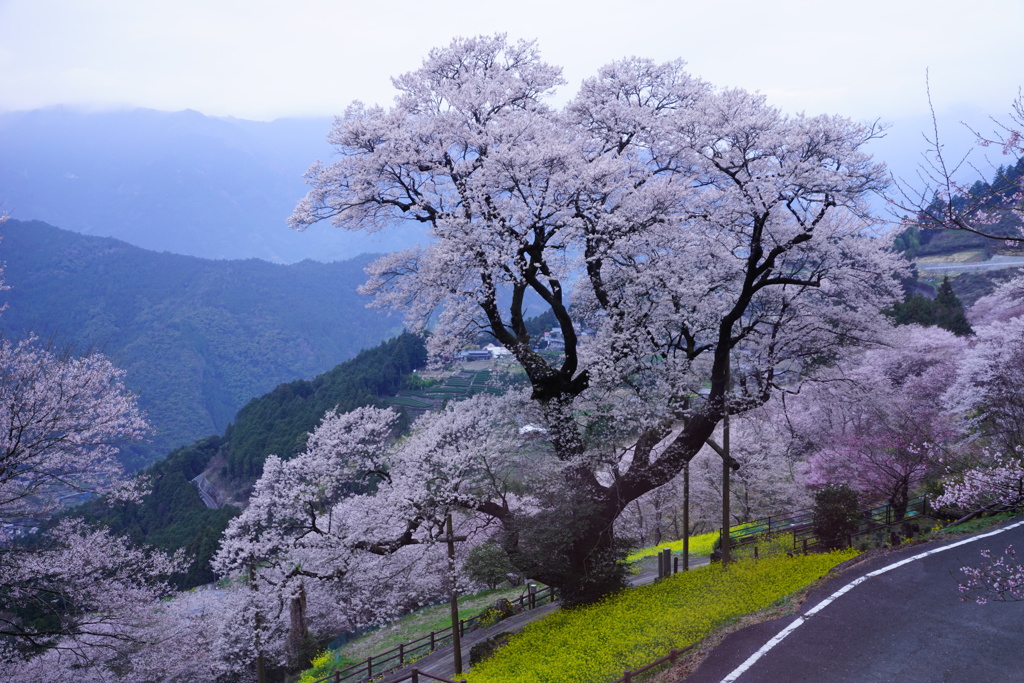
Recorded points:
(738, 671)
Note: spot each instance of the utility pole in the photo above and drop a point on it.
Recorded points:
(456, 635)
(686, 516)
(261, 664)
(727, 464)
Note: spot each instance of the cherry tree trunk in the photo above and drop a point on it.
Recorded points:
(298, 632)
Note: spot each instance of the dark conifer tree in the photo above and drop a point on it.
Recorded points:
(949, 311)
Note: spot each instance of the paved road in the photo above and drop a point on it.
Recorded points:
(906, 624)
(995, 263)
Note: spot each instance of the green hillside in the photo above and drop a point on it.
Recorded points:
(174, 516)
(198, 338)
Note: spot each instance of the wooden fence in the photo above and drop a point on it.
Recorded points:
(405, 653)
(670, 658)
(416, 676)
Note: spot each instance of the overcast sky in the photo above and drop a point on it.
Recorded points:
(263, 59)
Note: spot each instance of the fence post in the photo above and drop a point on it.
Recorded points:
(675, 569)
(369, 666)
(401, 654)
(755, 552)
(668, 562)
(415, 676)
(805, 546)
(627, 676)
(337, 677)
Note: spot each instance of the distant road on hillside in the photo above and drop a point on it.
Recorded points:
(995, 263)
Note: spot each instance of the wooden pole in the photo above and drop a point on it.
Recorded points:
(456, 636)
(686, 516)
(726, 462)
(261, 664)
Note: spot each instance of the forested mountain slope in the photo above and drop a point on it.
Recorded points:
(173, 516)
(198, 338)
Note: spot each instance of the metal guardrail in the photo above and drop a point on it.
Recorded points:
(801, 524)
(872, 519)
(748, 532)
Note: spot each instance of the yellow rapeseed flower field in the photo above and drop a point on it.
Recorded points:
(599, 642)
(699, 545)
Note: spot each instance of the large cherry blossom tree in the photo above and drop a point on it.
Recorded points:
(62, 419)
(986, 399)
(684, 225)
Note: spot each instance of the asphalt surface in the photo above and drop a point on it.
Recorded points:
(907, 624)
(995, 263)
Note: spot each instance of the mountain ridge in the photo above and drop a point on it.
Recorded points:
(197, 338)
(181, 182)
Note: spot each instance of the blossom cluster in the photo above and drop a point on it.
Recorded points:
(996, 479)
(1000, 579)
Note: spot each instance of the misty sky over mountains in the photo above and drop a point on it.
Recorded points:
(190, 183)
(178, 182)
(222, 187)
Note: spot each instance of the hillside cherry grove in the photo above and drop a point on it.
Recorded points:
(702, 255)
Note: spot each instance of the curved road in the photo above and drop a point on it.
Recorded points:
(896, 617)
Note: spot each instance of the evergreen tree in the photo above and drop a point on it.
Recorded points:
(945, 311)
(949, 311)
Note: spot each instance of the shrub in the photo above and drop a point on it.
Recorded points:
(501, 609)
(486, 648)
(836, 514)
(325, 663)
(488, 564)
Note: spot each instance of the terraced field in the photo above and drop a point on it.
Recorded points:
(459, 385)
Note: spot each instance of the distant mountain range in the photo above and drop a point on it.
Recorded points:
(198, 338)
(180, 182)
(223, 187)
